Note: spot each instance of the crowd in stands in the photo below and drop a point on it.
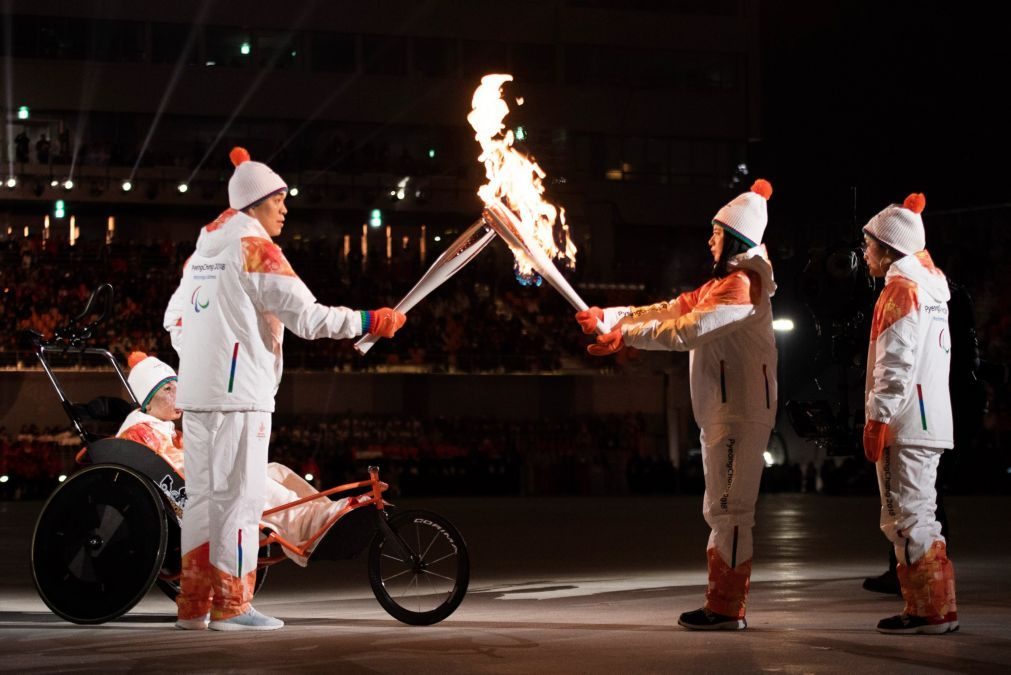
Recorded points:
(480, 321)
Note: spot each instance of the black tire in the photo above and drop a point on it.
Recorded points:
(99, 544)
(430, 588)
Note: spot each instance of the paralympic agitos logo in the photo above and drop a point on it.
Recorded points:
(195, 300)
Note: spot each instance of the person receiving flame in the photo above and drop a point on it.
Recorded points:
(726, 327)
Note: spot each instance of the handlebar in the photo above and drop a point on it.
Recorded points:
(73, 336)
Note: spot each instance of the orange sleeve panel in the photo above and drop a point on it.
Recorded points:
(896, 301)
(265, 257)
(739, 288)
(686, 302)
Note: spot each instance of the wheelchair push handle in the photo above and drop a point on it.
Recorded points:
(74, 335)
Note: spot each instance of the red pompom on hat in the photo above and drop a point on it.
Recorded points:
(238, 155)
(135, 358)
(915, 202)
(762, 187)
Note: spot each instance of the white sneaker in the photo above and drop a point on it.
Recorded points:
(248, 620)
(194, 624)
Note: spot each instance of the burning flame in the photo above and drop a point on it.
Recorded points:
(515, 179)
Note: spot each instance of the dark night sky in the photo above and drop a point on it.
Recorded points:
(886, 97)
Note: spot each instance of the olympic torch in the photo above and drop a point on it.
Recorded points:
(505, 224)
(460, 252)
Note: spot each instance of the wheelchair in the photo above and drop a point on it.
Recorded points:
(111, 531)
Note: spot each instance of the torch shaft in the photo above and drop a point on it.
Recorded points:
(453, 259)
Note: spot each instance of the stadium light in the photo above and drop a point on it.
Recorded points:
(782, 325)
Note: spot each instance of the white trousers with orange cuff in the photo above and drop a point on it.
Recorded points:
(732, 459)
(906, 478)
(226, 476)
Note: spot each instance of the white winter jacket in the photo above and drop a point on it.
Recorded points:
(726, 326)
(227, 318)
(909, 355)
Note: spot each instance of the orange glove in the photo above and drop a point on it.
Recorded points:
(875, 437)
(382, 322)
(588, 319)
(607, 344)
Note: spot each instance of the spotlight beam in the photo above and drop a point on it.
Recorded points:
(191, 39)
(92, 75)
(9, 81)
(299, 20)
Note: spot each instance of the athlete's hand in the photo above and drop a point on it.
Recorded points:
(385, 322)
(588, 318)
(607, 344)
(875, 437)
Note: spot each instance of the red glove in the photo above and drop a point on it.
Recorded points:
(607, 344)
(383, 322)
(875, 438)
(588, 319)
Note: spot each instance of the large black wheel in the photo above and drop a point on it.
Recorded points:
(99, 544)
(425, 582)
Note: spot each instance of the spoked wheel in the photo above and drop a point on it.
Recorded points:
(425, 582)
(99, 543)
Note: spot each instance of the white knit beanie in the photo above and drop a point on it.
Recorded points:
(147, 376)
(251, 182)
(901, 227)
(746, 216)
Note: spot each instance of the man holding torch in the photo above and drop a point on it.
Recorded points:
(227, 318)
(726, 327)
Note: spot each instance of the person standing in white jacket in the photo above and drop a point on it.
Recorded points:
(726, 327)
(227, 318)
(908, 412)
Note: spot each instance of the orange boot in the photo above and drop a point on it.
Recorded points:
(726, 597)
(928, 587)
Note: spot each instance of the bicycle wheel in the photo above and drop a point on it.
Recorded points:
(428, 584)
(99, 544)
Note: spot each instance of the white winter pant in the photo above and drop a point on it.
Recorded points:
(732, 459)
(906, 477)
(226, 486)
